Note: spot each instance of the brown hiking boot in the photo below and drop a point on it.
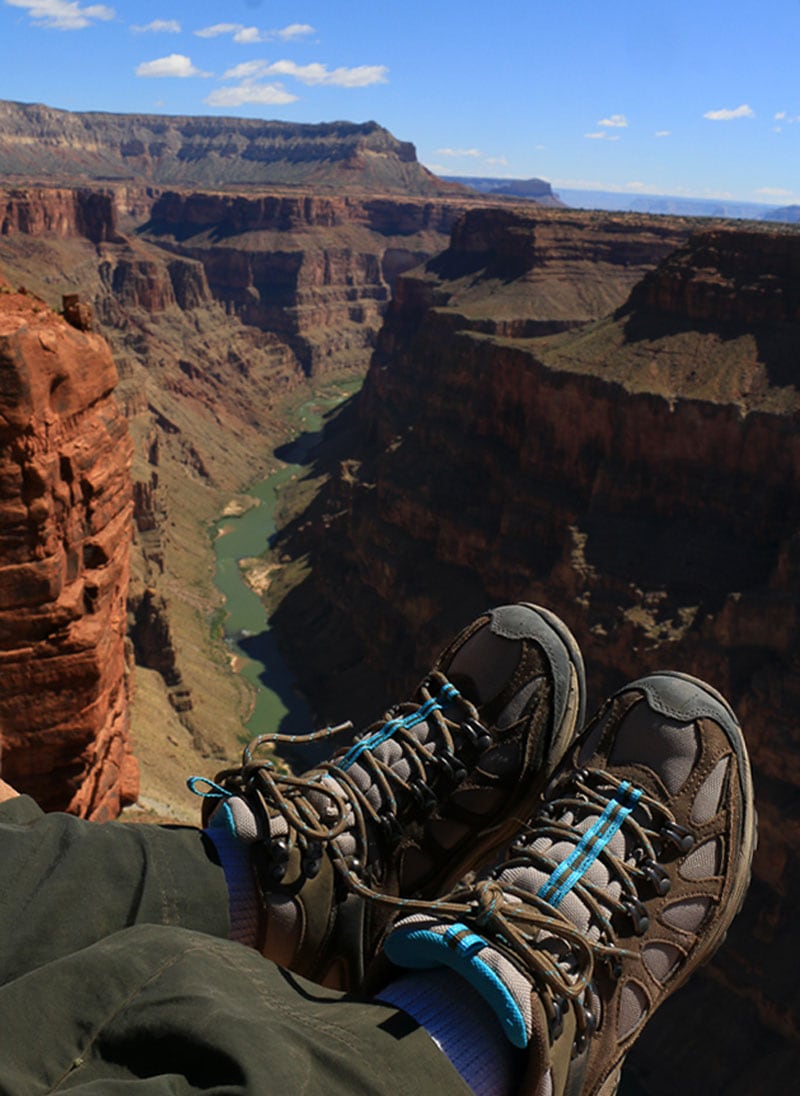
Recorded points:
(626, 879)
(416, 802)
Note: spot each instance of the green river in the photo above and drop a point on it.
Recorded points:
(278, 705)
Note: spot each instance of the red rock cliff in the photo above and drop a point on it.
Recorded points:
(317, 271)
(65, 213)
(65, 528)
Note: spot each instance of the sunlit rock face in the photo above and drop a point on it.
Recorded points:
(65, 530)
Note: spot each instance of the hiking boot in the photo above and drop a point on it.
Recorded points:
(625, 880)
(417, 801)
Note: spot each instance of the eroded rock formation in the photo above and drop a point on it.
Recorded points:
(316, 271)
(641, 475)
(39, 142)
(65, 528)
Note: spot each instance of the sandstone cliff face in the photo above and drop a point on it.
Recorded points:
(65, 527)
(64, 213)
(316, 271)
(740, 278)
(640, 475)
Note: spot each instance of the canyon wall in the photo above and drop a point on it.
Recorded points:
(65, 527)
(640, 474)
(221, 310)
(316, 271)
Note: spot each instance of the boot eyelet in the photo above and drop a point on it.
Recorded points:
(637, 913)
(424, 797)
(657, 877)
(454, 768)
(311, 861)
(476, 735)
(679, 836)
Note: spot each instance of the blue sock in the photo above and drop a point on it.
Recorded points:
(242, 899)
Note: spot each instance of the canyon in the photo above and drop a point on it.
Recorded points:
(594, 411)
(223, 310)
(638, 473)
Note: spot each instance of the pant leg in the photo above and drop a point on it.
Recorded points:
(162, 1011)
(66, 883)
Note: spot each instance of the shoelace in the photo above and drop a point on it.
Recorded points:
(300, 800)
(522, 920)
(521, 923)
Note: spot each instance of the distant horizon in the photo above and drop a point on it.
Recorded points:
(694, 101)
(626, 199)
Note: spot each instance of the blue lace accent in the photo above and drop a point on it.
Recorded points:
(569, 871)
(210, 791)
(435, 704)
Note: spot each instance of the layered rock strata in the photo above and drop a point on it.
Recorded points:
(316, 271)
(65, 529)
(640, 474)
(39, 142)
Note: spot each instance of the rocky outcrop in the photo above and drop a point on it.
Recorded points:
(38, 142)
(641, 475)
(734, 278)
(64, 213)
(316, 271)
(65, 527)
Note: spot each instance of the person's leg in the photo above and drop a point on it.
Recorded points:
(68, 883)
(161, 1011)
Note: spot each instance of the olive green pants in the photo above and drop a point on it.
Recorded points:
(116, 978)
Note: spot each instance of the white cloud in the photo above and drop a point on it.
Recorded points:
(245, 71)
(774, 192)
(663, 133)
(781, 114)
(160, 26)
(596, 136)
(726, 115)
(271, 94)
(496, 161)
(63, 14)
(248, 35)
(176, 64)
(294, 30)
(642, 188)
(251, 35)
(360, 76)
(458, 152)
(217, 29)
(616, 121)
(312, 74)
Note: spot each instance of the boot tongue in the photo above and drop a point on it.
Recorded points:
(390, 753)
(583, 860)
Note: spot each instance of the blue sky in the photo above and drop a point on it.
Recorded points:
(696, 98)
